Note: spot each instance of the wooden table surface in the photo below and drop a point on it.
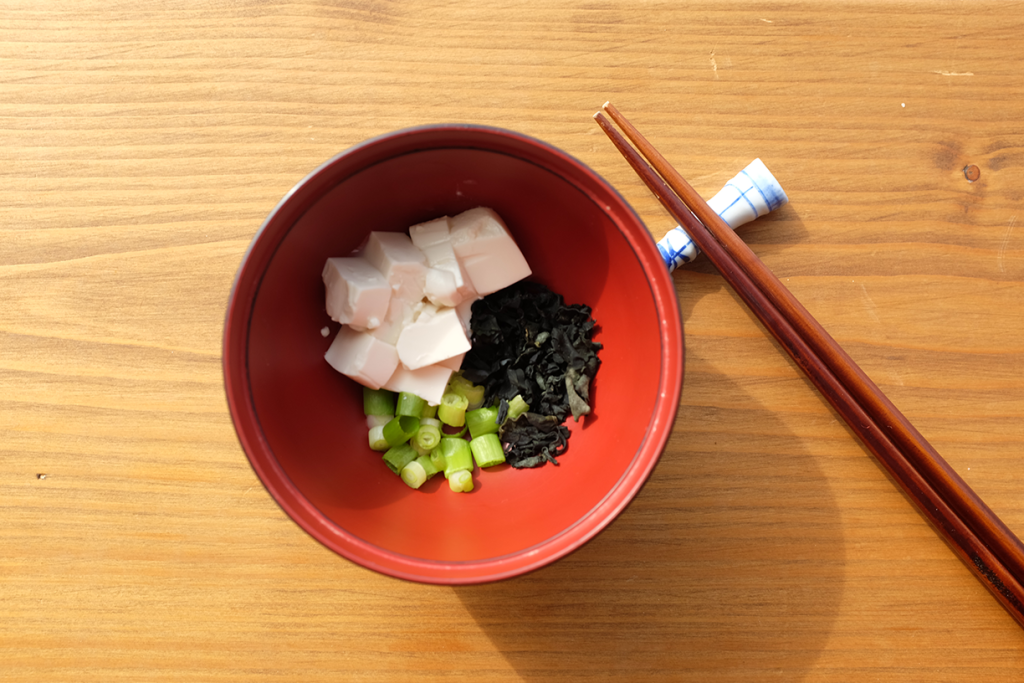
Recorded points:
(142, 144)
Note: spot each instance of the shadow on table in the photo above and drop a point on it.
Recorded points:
(715, 572)
(705, 577)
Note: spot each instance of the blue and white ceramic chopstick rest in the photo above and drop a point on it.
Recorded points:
(753, 192)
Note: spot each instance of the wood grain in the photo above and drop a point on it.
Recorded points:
(143, 143)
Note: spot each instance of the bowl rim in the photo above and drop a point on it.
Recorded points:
(307, 516)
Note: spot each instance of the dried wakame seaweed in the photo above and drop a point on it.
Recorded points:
(528, 341)
(532, 440)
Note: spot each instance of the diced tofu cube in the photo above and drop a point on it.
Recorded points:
(454, 363)
(467, 290)
(437, 231)
(427, 382)
(357, 293)
(434, 336)
(441, 288)
(398, 259)
(362, 357)
(400, 313)
(433, 238)
(486, 250)
(465, 312)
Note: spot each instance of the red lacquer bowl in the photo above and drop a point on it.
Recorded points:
(301, 425)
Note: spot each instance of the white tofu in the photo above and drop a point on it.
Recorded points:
(441, 288)
(454, 363)
(398, 259)
(431, 233)
(362, 357)
(485, 248)
(427, 382)
(357, 293)
(466, 290)
(433, 238)
(434, 336)
(400, 313)
(465, 312)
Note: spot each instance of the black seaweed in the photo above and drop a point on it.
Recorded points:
(528, 341)
(532, 440)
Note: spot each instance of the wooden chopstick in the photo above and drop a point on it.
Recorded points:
(983, 542)
(916, 448)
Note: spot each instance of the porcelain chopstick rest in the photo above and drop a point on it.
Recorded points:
(751, 193)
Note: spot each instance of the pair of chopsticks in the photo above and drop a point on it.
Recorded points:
(989, 549)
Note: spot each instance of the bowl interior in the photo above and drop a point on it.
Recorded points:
(307, 438)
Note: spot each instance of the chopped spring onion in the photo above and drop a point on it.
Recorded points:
(416, 447)
(429, 411)
(452, 410)
(463, 387)
(460, 432)
(482, 421)
(398, 457)
(401, 429)
(461, 481)
(487, 450)
(377, 420)
(378, 401)
(429, 434)
(377, 440)
(457, 455)
(410, 404)
(438, 459)
(413, 474)
(428, 465)
(516, 407)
